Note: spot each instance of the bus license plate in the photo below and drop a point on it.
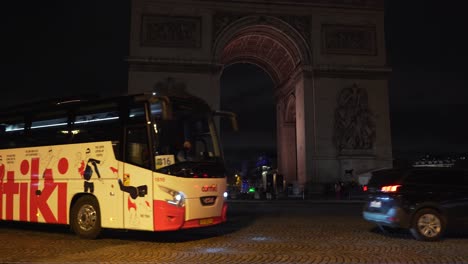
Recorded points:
(375, 204)
(206, 221)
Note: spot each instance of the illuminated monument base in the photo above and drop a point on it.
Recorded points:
(326, 59)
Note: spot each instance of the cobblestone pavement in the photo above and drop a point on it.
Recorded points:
(257, 232)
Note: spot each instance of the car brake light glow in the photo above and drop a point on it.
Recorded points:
(393, 219)
(364, 188)
(390, 188)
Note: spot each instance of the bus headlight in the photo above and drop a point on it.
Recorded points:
(176, 198)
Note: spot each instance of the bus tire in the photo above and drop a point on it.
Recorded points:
(85, 217)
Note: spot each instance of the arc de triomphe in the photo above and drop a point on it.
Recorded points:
(327, 59)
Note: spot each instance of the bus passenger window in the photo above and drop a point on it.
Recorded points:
(98, 123)
(136, 151)
(12, 132)
(116, 148)
(136, 115)
(49, 128)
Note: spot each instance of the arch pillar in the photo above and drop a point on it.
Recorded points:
(305, 127)
(286, 136)
(296, 128)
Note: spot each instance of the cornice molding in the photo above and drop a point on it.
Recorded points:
(350, 71)
(152, 64)
(350, 4)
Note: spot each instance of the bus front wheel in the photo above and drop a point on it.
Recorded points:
(85, 217)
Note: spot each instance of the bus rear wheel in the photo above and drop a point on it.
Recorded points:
(85, 217)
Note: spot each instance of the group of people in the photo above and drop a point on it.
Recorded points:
(343, 190)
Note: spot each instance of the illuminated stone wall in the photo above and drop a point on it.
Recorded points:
(316, 51)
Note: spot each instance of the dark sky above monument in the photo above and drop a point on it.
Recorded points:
(429, 84)
(62, 48)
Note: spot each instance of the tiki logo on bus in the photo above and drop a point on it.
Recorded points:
(33, 196)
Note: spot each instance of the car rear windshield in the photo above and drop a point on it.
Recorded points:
(437, 176)
(385, 177)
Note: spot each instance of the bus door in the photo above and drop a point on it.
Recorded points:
(136, 181)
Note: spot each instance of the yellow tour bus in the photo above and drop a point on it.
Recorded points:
(136, 162)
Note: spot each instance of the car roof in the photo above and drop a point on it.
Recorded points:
(397, 175)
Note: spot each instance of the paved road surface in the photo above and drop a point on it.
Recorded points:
(257, 232)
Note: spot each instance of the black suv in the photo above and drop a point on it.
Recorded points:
(424, 200)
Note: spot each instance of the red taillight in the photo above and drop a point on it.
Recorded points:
(204, 175)
(390, 188)
(393, 219)
(364, 188)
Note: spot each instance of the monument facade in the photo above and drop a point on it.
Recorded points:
(327, 60)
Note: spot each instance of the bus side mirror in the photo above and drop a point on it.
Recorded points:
(166, 106)
(232, 116)
(165, 113)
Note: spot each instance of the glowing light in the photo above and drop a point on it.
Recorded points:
(96, 120)
(13, 129)
(51, 125)
(74, 132)
(390, 188)
(155, 127)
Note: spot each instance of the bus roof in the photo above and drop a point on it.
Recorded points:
(188, 101)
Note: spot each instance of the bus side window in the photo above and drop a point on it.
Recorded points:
(98, 123)
(136, 149)
(49, 128)
(12, 132)
(116, 148)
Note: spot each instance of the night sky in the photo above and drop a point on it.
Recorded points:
(65, 48)
(429, 85)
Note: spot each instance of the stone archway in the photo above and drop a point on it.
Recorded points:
(313, 50)
(267, 41)
(279, 50)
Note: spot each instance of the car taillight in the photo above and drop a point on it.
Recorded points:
(364, 188)
(390, 188)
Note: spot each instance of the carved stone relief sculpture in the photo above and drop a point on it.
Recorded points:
(354, 122)
(171, 32)
(349, 40)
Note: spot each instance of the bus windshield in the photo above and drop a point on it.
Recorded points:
(187, 136)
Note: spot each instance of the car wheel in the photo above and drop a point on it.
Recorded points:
(427, 225)
(85, 217)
